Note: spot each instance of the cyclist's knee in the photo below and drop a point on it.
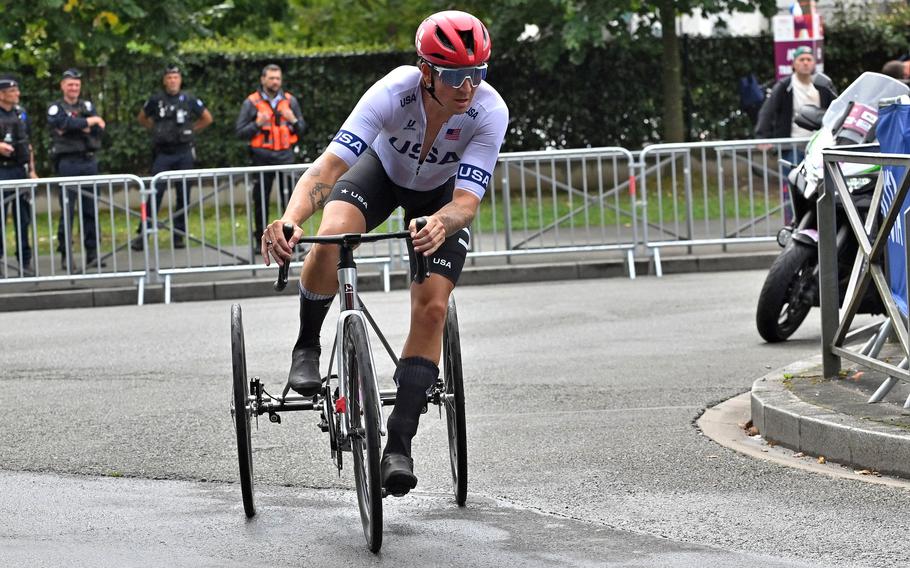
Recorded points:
(340, 217)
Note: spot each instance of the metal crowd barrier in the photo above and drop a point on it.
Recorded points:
(596, 200)
(868, 267)
(714, 193)
(557, 202)
(207, 219)
(68, 229)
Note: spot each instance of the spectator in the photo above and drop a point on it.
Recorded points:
(803, 87)
(76, 131)
(897, 69)
(173, 117)
(271, 121)
(17, 161)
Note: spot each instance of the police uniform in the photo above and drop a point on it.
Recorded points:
(15, 130)
(73, 152)
(270, 144)
(173, 138)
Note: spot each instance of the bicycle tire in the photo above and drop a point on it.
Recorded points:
(241, 411)
(454, 405)
(362, 409)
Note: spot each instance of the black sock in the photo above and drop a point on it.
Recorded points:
(414, 376)
(313, 309)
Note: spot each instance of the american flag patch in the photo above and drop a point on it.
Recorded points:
(452, 133)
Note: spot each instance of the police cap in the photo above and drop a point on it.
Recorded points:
(7, 81)
(71, 73)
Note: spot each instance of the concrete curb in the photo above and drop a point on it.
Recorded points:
(223, 289)
(785, 419)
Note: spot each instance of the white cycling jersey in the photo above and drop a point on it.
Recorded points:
(390, 118)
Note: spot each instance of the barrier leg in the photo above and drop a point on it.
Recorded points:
(886, 386)
(658, 269)
(167, 289)
(630, 258)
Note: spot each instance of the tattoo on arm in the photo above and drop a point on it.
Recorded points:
(455, 217)
(319, 195)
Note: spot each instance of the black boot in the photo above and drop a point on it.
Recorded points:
(414, 375)
(304, 375)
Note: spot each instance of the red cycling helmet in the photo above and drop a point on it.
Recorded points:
(453, 39)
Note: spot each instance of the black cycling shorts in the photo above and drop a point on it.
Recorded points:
(367, 187)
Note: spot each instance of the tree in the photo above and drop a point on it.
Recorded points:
(46, 34)
(573, 27)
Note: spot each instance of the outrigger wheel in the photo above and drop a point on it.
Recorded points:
(242, 410)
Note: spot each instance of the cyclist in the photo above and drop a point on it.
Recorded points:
(423, 137)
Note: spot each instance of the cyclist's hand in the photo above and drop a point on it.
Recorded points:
(764, 147)
(274, 244)
(430, 238)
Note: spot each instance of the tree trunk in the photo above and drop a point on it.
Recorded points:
(671, 75)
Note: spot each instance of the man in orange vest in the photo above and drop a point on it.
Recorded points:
(271, 121)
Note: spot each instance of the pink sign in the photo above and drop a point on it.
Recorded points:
(783, 55)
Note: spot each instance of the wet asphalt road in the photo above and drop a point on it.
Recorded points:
(581, 398)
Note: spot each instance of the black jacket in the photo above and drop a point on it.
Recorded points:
(775, 119)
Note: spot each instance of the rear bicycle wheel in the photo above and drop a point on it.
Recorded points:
(454, 405)
(242, 410)
(362, 409)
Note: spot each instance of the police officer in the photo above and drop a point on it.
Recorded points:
(17, 161)
(173, 117)
(271, 121)
(76, 131)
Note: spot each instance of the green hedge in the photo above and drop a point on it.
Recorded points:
(612, 98)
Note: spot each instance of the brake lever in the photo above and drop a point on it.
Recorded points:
(283, 270)
(420, 265)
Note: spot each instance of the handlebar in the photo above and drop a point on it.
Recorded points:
(282, 282)
(420, 266)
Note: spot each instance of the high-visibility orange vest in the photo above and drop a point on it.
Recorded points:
(276, 134)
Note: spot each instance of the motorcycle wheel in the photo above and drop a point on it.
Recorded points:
(788, 293)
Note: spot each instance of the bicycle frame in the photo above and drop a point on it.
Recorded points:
(351, 306)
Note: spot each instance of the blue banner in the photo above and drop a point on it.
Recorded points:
(893, 131)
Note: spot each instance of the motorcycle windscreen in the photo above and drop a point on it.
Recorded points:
(894, 138)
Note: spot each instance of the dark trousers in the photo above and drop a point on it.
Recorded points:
(81, 197)
(262, 191)
(19, 205)
(165, 162)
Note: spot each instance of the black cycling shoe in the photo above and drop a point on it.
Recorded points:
(398, 474)
(304, 375)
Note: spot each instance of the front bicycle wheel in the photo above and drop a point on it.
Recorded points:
(241, 411)
(362, 409)
(454, 405)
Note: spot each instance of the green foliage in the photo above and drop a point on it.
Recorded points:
(611, 96)
(48, 34)
(858, 39)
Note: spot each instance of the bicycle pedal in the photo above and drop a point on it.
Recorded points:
(323, 425)
(274, 418)
(387, 493)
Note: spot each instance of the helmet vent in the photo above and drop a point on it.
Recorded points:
(443, 39)
(467, 38)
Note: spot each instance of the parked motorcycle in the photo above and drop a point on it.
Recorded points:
(791, 287)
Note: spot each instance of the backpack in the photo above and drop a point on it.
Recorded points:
(751, 93)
